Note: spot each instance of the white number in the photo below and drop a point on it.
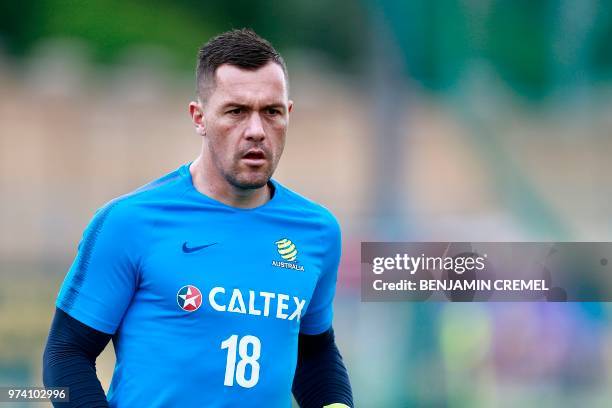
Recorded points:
(245, 359)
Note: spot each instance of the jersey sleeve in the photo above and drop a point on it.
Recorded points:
(103, 277)
(318, 316)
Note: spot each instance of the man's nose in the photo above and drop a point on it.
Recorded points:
(255, 130)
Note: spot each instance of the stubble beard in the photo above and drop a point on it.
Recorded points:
(243, 177)
(248, 180)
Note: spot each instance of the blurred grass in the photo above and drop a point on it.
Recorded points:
(27, 305)
(26, 309)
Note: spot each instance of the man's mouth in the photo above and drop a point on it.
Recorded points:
(254, 157)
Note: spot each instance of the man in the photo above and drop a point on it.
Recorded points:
(214, 282)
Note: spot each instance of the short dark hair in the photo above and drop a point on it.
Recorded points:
(242, 48)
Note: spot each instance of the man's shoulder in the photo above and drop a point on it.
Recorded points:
(308, 207)
(158, 188)
(127, 207)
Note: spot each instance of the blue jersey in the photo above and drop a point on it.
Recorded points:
(205, 301)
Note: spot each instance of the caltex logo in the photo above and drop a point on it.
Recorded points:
(189, 298)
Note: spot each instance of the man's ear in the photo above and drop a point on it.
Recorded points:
(197, 117)
(289, 106)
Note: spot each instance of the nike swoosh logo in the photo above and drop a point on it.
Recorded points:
(188, 249)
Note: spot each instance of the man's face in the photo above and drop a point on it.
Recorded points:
(245, 121)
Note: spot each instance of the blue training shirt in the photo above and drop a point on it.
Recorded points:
(205, 301)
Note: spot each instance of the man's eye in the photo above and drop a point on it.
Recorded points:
(236, 111)
(272, 111)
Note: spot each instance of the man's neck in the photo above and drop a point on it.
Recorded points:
(225, 192)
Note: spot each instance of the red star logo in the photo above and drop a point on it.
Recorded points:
(189, 298)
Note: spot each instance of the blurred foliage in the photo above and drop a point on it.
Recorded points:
(527, 43)
(522, 59)
(534, 46)
(181, 26)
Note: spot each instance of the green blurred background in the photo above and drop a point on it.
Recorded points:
(467, 120)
